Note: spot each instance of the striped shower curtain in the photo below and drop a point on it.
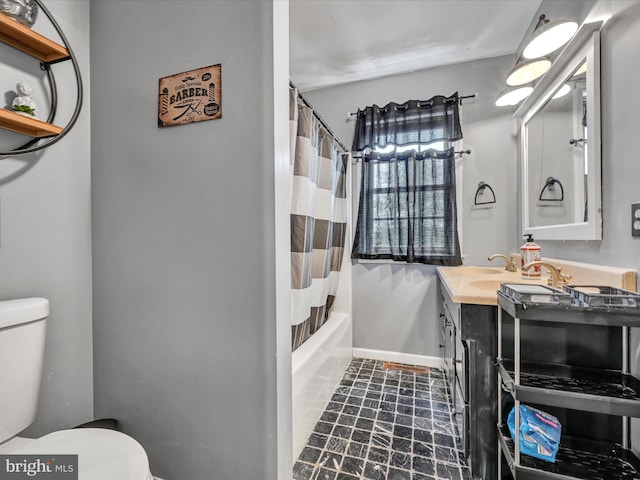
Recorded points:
(318, 220)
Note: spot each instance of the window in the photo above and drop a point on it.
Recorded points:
(407, 206)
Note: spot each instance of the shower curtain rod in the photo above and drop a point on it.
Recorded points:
(460, 98)
(319, 117)
(358, 155)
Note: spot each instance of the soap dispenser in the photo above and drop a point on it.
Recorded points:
(530, 252)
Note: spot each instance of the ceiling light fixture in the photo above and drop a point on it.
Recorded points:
(581, 70)
(566, 88)
(548, 36)
(512, 96)
(527, 71)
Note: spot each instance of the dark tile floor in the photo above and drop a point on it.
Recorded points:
(385, 424)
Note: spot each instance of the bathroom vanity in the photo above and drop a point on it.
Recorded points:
(469, 314)
(469, 339)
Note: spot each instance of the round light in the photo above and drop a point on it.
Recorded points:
(549, 37)
(527, 71)
(562, 92)
(513, 96)
(581, 70)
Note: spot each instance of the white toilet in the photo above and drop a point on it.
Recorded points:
(102, 454)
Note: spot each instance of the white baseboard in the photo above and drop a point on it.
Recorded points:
(398, 357)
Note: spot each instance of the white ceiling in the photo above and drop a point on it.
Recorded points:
(340, 41)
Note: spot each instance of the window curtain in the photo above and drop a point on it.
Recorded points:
(411, 123)
(318, 220)
(408, 200)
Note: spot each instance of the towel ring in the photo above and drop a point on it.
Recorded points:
(481, 187)
(549, 185)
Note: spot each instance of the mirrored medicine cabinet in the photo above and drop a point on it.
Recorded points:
(560, 145)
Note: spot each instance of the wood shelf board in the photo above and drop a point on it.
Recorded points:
(32, 43)
(27, 126)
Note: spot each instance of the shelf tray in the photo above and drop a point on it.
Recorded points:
(576, 459)
(533, 293)
(559, 313)
(30, 42)
(595, 295)
(602, 391)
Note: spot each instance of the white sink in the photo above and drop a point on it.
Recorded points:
(481, 270)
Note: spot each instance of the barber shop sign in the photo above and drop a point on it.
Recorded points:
(191, 96)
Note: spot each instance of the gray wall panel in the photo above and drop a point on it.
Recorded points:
(183, 222)
(45, 224)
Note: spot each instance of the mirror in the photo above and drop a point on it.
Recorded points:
(560, 146)
(557, 168)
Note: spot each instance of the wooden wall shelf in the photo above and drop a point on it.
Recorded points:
(41, 48)
(28, 126)
(30, 42)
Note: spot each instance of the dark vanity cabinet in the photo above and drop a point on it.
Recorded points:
(453, 354)
(469, 351)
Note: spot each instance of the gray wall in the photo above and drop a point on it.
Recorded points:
(620, 103)
(620, 168)
(395, 306)
(183, 225)
(45, 225)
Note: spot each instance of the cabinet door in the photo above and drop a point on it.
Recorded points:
(461, 360)
(448, 331)
(452, 309)
(449, 349)
(461, 417)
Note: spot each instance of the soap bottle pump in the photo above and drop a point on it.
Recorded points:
(530, 252)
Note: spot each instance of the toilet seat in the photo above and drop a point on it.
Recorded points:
(102, 454)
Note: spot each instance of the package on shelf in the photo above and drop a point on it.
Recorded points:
(539, 432)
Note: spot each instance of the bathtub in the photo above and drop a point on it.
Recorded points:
(317, 367)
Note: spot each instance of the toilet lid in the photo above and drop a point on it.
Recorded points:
(102, 454)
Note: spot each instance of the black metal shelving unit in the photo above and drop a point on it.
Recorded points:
(44, 133)
(606, 391)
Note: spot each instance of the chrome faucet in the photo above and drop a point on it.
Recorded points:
(556, 279)
(512, 266)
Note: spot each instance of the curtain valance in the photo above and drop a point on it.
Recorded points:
(413, 122)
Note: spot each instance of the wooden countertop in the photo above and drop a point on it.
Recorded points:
(478, 285)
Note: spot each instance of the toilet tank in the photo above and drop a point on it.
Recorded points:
(22, 336)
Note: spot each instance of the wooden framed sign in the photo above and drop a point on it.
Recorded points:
(192, 96)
